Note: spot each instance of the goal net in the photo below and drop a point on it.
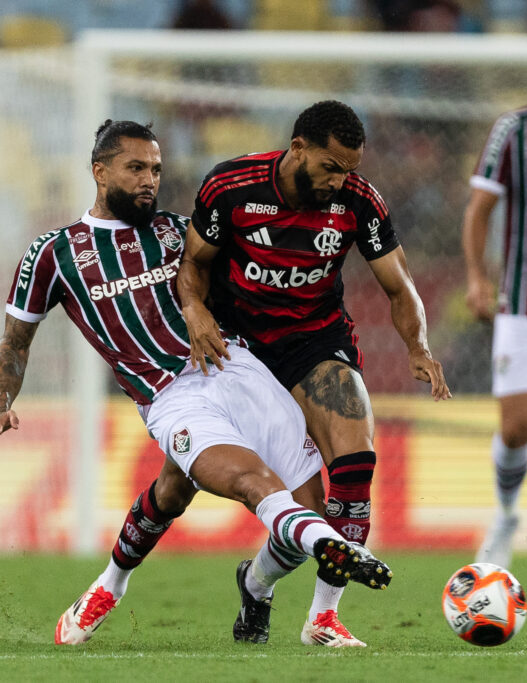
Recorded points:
(427, 103)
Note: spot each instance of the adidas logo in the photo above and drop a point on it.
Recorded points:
(342, 355)
(260, 236)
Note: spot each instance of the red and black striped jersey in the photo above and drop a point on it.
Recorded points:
(116, 283)
(278, 271)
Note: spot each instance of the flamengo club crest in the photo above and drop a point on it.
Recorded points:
(352, 531)
(328, 242)
(169, 237)
(182, 442)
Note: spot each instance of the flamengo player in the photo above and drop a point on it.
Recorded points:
(271, 232)
(501, 172)
(113, 272)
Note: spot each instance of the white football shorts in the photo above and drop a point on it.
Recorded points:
(509, 355)
(243, 405)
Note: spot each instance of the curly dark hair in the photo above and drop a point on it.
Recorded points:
(330, 117)
(107, 137)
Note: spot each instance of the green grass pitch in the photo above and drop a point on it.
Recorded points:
(175, 622)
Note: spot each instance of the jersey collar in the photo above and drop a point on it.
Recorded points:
(92, 222)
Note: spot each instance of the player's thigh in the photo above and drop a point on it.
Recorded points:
(311, 494)
(513, 411)
(272, 423)
(188, 417)
(236, 473)
(337, 408)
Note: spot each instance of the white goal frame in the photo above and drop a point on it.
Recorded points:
(93, 51)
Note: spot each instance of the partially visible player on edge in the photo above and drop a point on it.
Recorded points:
(501, 172)
(113, 272)
(271, 232)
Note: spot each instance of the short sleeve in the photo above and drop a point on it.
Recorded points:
(493, 169)
(211, 216)
(375, 235)
(36, 287)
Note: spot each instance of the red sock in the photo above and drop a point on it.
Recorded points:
(142, 529)
(348, 507)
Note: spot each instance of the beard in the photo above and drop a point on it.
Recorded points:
(123, 206)
(307, 195)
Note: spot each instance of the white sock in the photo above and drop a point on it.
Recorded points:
(295, 526)
(270, 564)
(326, 597)
(511, 465)
(257, 588)
(114, 579)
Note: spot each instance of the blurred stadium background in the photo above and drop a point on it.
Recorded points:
(427, 101)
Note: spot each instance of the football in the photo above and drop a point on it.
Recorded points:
(484, 604)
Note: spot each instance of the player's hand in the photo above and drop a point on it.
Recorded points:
(481, 299)
(8, 420)
(205, 337)
(426, 369)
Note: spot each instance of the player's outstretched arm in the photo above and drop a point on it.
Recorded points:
(192, 287)
(480, 298)
(409, 318)
(14, 353)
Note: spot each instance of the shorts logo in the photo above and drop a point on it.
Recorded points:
(342, 355)
(352, 531)
(328, 242)
(169, 237)
(310, 447)
(86, 258)
(182, 442)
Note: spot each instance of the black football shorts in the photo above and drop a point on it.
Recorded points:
(291, 358)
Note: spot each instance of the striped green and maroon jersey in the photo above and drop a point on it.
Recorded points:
(502, 170)
(116, 283)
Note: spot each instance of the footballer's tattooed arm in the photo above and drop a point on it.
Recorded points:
(334, 387)
(14, 353)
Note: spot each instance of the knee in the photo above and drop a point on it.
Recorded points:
(514, 435)
(252, 487)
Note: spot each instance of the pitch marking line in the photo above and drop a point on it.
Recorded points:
(176, 655)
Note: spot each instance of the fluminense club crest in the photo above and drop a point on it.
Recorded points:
(169, 237)
(182, 441)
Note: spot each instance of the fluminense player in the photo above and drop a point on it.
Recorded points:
(271, 232)
(501, 172)
(113, 271)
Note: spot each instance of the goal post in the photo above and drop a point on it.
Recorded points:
(427, 102)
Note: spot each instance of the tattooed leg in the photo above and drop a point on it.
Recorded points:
(339, 418)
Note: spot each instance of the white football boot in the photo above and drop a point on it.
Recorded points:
(329, 631)
(79, 622)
